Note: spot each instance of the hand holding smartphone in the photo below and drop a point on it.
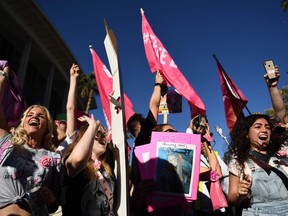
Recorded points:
(270, 69)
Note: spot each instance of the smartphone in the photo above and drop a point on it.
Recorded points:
(270, 68)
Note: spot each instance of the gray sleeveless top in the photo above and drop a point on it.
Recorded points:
(23, 171)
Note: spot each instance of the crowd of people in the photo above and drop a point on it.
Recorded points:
(51, 167)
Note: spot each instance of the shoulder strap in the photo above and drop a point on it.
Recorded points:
(106, 188)
(251, 165)
(268, 168)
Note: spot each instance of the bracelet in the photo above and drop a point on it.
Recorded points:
(157, 84)
(163, 87)
(2, 73)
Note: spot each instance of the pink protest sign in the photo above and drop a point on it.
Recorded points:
(173, 161)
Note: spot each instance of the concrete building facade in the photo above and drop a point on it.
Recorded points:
(37, 54)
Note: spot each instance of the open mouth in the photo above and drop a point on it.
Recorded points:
(33, 122)
(102, 142)
(263, 137)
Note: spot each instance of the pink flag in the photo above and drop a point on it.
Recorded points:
(159, 58)
(128, 107)
(234, 100)
(104, 81)
(14, 104)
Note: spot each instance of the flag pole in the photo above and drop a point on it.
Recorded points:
(220, 132)
(216, 59)
(165, 118)
(122, 204)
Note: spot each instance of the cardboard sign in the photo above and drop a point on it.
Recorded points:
(174, 101)
(170, 103)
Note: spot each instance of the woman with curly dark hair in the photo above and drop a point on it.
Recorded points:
(258, 178)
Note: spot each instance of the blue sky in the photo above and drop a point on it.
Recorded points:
(241, 33)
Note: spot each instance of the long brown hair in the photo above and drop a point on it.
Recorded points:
(89, 169)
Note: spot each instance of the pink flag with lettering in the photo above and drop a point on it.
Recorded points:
(104, 81)
(159, 58)
(234, 100)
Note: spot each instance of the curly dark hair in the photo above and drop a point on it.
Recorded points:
(239, 146)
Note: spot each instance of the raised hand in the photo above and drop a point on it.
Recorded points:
(74, 71)
(90, 121)
(272, 82)
(159, 77)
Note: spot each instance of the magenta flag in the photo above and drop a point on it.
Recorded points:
(159, 59)
(13, 103)
(104, 81)
(233, 99)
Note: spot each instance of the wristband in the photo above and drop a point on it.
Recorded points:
(163, 87)
(157, 84)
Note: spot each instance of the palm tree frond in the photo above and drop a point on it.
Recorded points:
(284, 5)
(87, 88)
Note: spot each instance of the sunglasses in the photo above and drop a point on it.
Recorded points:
(60, 122)
(101, 133)
(63, 122)
(170, 130)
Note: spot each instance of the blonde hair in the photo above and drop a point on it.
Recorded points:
(89, 170)
(20, 136)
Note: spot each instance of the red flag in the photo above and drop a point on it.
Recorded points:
(234, 100)
(104, 81)
(159, 58)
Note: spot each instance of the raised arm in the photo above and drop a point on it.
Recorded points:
(212, 158)
(72, 99)
(66, 135)
(81, 154)
(210, 154)
(155, 98)
(276, 98)
(4, 72)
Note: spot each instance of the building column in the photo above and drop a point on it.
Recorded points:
(49, 85)
(22, 70)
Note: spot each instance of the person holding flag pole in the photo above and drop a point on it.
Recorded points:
(159, 58)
